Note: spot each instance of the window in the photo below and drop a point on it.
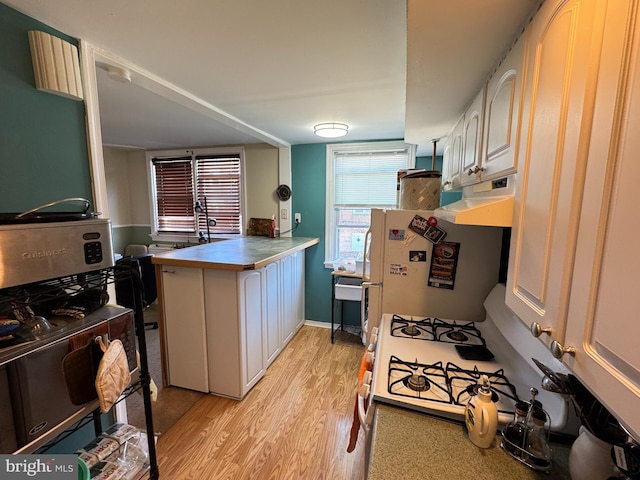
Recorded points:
(360, 176)
(179, 179)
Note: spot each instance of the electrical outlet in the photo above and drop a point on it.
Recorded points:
(283, 214)
(298, 218)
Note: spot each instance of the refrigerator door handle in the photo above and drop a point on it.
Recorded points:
(363, 308)
(365, 277)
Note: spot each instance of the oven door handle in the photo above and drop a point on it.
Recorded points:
(364, 324)
(365, 255)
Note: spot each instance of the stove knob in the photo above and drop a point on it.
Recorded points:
(558, 350)
(366, 378)
(369, 357)
(365, 390)
(537, 330)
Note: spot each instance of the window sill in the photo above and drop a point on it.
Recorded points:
(190, 239)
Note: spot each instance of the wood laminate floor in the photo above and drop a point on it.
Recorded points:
(294, 424)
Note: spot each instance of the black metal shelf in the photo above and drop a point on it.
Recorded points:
(42, 296)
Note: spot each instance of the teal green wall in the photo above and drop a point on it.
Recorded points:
(43, 146)
(425, 162)
(308, 186)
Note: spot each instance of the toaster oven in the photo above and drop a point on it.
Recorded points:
(37, 251)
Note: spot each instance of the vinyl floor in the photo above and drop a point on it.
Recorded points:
(294, 424)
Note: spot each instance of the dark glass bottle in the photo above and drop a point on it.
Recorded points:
(515, 432)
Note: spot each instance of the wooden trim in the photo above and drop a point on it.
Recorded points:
(94, 133)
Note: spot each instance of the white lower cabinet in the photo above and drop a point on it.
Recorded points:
(252, 328)
(185, 333)
(298, 283)
(288, 313)
(224, 328)
(235, 331)
(271, 313)
(292, 295)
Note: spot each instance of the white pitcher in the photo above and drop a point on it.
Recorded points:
(590, 458)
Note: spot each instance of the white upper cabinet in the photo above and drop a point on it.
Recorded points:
(472, 140)
(555, 129)
(502, 114)
(452, 161)
(446, 164)
(603, 325)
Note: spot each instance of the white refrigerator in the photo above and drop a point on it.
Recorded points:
(416, 267)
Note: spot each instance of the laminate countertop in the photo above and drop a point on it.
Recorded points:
(414, 446)
(246, 253)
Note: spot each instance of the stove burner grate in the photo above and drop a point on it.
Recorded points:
(457, 336)
(453, 332)
(417, 380)
(410, 328)
(418, 383)
(472, 390)
(464, 384)
(435, 329)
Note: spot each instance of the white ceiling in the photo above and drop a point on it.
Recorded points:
(255, 70)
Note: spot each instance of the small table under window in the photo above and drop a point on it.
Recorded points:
(344, 287)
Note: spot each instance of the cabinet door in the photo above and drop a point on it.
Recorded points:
(298, 279)
(603, 325)
(502, 114)
(271, 298)
(251, 327)
(185, 331)
(557, 110)
(456, 144)
(472, 146)
(447, 182)
(287, 296)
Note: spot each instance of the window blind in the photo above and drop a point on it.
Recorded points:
(364, 180)
(181, 181)
(174, 195)
(218, 180)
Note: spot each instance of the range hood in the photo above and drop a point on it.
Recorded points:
(489, 203)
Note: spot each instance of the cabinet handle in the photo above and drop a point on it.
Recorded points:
(558, 350)
(537, 330)
(448, 182)
(168, 271)
(475, 170)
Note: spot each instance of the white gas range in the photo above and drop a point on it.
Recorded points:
(433, 365)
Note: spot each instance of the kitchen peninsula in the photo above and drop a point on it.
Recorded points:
(227, 309)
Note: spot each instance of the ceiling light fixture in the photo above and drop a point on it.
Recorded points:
(331, 130)
(118, 74)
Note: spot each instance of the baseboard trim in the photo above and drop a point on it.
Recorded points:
(315, 323)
